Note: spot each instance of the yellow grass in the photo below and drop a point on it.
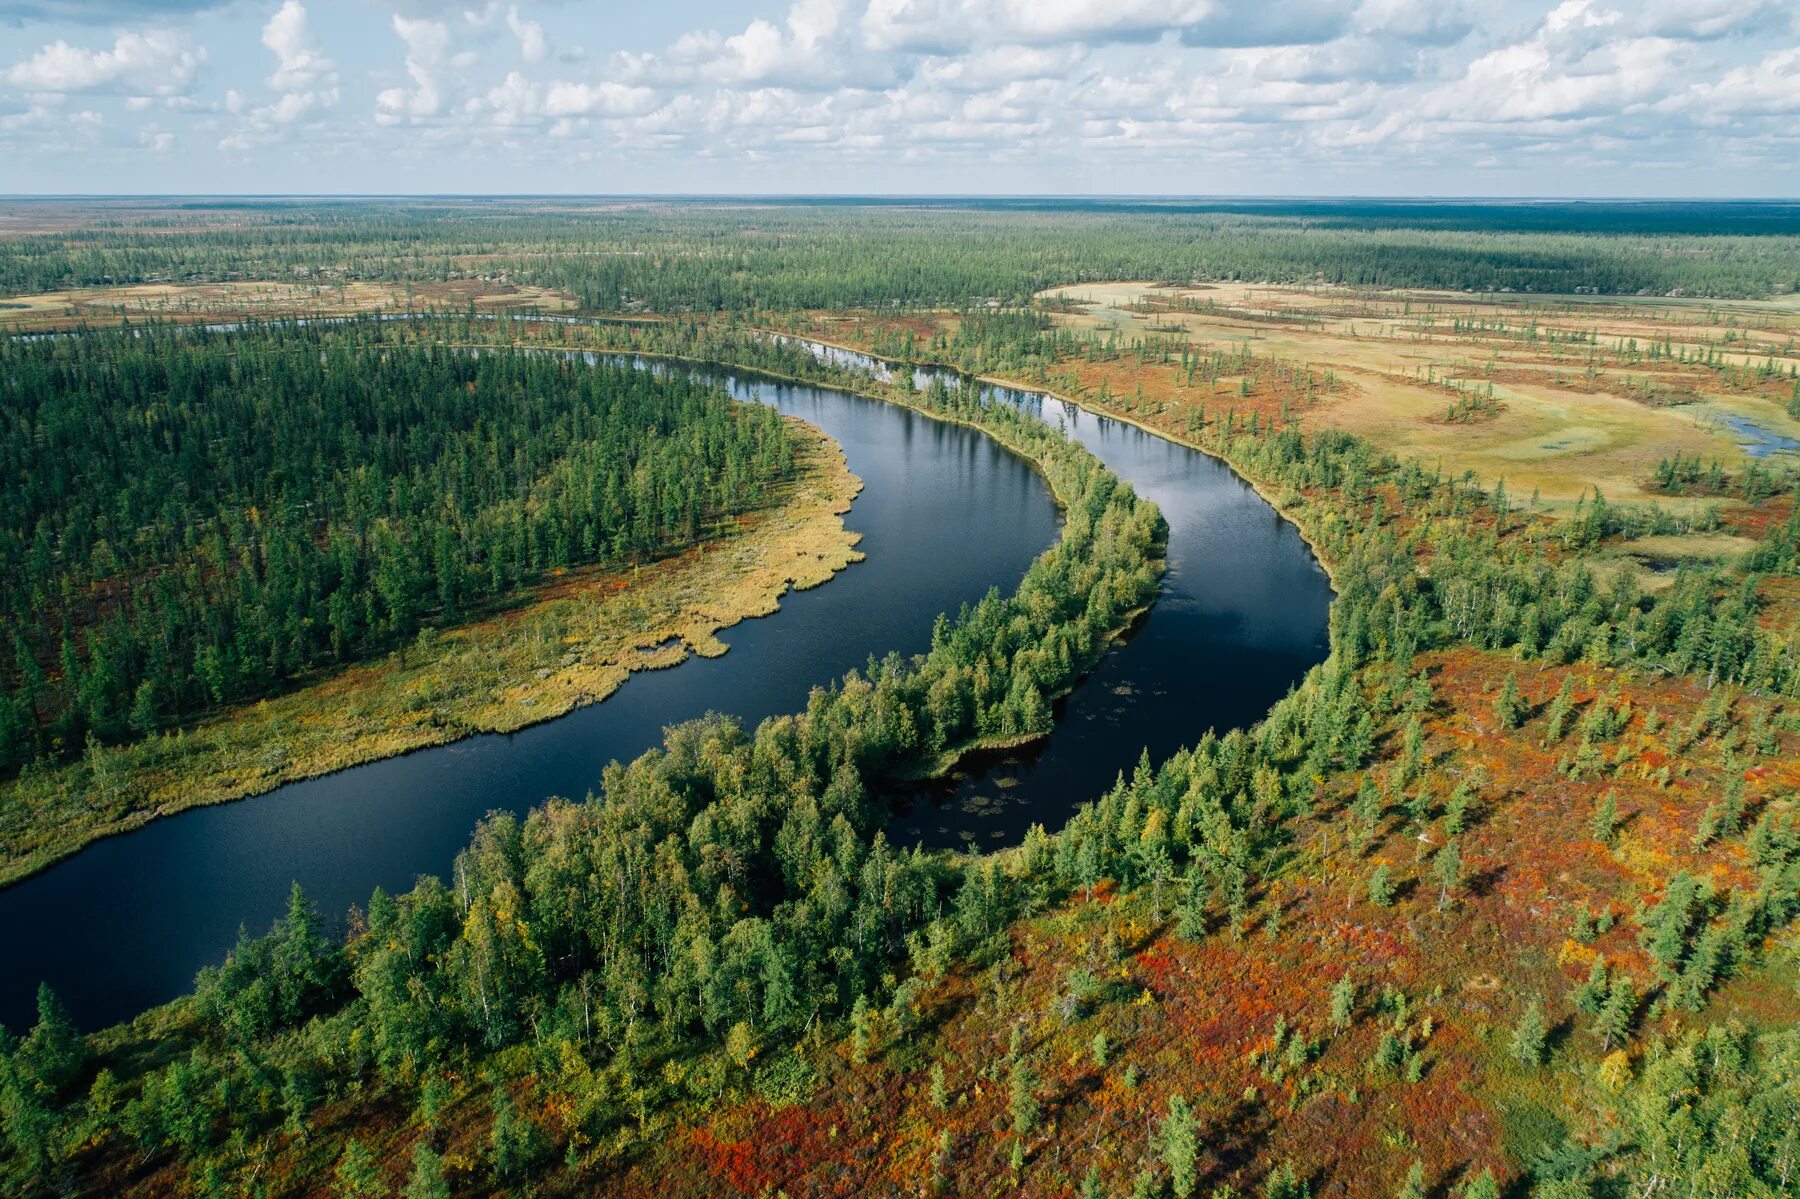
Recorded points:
(226, 301)
(1560, 433)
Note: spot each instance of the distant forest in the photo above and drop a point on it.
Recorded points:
(703, 255)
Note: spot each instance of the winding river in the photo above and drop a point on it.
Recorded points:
(945, 514)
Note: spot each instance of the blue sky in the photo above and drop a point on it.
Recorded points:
(1329, 97)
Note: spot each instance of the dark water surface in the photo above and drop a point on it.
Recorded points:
(1242, 617)
(945, 514)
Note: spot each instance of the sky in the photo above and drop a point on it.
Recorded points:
(1143, 97)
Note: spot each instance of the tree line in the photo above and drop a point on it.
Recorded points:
(674, 256)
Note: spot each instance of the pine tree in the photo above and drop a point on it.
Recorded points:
(1190, 913)
(512, 1141)
(861, 1022)
(1509, 707)
(1482, 1186)
(1413, 1187)
(1560, 707)
(357, 1174)
(1613, 1024)
(54, 1051)
(1606, 819)
(1177, 1142)
(1343, 1002)
(1446, 868)
(427, 1180)
(1528, 1037)
(1022, 1097)
(1284, 1183)
(1381, 889)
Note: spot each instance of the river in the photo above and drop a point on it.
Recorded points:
(945, 514)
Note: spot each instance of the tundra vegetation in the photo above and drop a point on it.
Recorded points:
(1500, 897)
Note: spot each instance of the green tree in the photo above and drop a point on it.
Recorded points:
(1590, 996)
(1178, 1144)
(1284, 1183)
(1381, 888)
(427, 1180)
(1446, 868)
(358, 1175)
(1022, 1097)
(513, 1143)
(1527, 1047)
(1343, 1002)
(1482, 1186)
(54, 1052)
(1509, 706)
(1605, 823)
(1614, 1022)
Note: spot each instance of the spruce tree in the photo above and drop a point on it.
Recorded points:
(1509, 706)
(1381, 889)
(1343, 1002)
(1528, 1037)
(358, 1177)
(1177, 1142)
(427, 1180)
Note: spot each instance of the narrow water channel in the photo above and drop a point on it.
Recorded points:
(945, 514)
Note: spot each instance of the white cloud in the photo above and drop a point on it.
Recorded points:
(427, 43)
(154, 63)
(810, 49)
(1079, 94)
(1574, 66)
(298, 63)
(533, 46)
(1435, 22)
(1770, 87)
(1001, 65)
(602, 99)
(1707, 19)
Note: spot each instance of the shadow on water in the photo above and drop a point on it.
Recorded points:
(945, 514)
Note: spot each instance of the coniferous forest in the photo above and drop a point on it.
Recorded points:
(193, 518)
(1499, 898)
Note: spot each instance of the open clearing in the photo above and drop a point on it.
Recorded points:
(1579, 398)
(265, 299)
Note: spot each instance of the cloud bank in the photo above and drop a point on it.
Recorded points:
(1062, 95)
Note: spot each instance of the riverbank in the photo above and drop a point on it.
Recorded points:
(571, 642)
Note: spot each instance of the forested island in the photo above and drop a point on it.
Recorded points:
(1500, 899)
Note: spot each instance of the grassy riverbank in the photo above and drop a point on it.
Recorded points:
(571, 642)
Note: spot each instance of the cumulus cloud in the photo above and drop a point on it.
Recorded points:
(154, 63)
(809, 48)
(427, 48)
(533, 46)
(298, 63)
(1575, 65)
(1085, 91)
(1433, 22)
(1770, 87)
